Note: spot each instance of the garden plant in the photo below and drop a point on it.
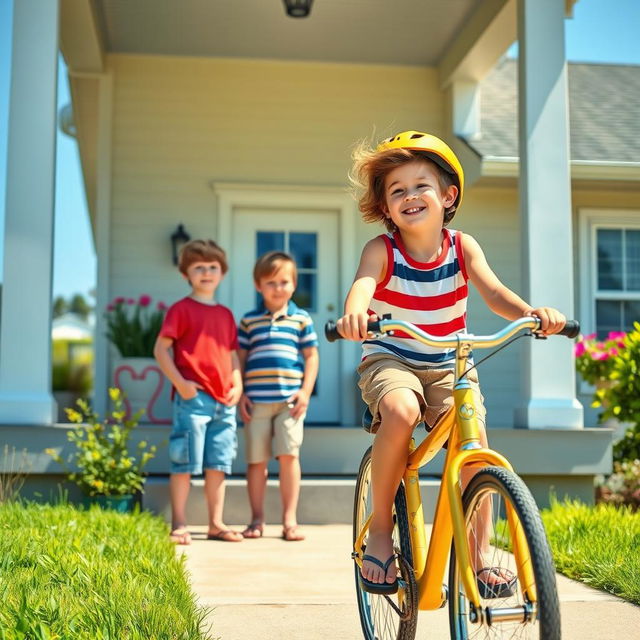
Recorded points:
(102, 464)
(133, 325)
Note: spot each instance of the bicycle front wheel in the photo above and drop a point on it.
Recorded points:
(485, 501)
(383, 617)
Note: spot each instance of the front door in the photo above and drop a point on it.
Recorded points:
(311, 238)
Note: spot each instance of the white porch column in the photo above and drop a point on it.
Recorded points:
(545, 208)
(25, 342)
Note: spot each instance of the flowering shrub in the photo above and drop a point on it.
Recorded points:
(594, 358)
(103, 465)
(623, 485)
(620, 398)
(133, 326)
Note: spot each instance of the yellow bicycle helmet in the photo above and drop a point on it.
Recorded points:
(433, 147)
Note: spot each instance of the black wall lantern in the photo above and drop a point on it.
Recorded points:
(178, 239)
(298, 8)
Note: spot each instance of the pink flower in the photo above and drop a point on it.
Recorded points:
(130, 301)
(161, 306)
(111, 307)
(591, 336)
(615, 335)
(613, 351)
(603, 355)
(579, 349)
(145, 300)
(118, 300)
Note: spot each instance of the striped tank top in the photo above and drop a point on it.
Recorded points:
(431, 295)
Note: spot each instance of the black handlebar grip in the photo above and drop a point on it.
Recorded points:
(331, 331)
(571, 329)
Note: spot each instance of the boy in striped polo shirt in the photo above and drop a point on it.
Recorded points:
(279, 358)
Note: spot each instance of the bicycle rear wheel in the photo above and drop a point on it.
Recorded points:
(386, 617)
(485, 499)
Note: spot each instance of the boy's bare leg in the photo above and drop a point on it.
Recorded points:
(399, 412)
(256, 486)
(214, 488)
(289, 492)
(179, 485)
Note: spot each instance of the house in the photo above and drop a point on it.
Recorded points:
(237, 121)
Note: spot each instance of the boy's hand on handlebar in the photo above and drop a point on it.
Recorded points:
(551, 320)
(353, 326)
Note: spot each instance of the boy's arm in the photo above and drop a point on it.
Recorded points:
(245, 404)
(371, 270)
(499, 298)
(161, 351)
(234, 394)
(300, 398)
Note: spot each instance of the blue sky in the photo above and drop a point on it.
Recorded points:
(594, 34)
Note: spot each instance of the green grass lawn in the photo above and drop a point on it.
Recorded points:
(67, 574)
(599, 546)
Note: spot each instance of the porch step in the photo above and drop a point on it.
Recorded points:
(323, 500)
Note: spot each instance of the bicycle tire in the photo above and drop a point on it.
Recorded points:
(378, 619)
(505, 485)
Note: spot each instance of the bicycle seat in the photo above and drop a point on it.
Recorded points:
(367, 419)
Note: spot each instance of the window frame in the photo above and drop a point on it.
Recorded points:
(589, 221)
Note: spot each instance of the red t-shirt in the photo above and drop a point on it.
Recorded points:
(203, 338)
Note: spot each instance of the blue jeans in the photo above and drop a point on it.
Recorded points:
(203, 435)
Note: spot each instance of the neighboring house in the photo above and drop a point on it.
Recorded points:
(238, 122)
(71, 326)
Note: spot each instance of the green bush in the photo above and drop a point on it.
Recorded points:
(621, 399)
(92, 575)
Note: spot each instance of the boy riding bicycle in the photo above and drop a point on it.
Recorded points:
(417, 272)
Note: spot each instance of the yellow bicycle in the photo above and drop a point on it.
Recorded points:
(494, 524)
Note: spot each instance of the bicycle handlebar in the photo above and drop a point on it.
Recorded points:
(387, 325)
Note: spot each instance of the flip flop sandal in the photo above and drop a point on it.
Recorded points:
(497, 589)
(253, 529)
(223, 536)
(380, 588)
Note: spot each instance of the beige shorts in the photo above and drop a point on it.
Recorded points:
(381, 373)
(271, 423)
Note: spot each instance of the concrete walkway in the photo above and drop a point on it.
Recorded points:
(276, 590)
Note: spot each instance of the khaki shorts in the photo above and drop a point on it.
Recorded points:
(270, 423)
(381, 373)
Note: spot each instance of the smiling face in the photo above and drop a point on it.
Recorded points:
(414, 197)
(204, 277)
(277, 287)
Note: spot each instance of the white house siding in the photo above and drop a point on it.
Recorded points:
(180, 123)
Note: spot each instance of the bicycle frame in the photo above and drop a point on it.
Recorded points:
(460, 426)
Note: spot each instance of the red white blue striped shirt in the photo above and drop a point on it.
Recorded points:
(431, 295)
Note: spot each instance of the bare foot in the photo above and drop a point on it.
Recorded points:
(379, 546)
(180, 535)
(290, 533)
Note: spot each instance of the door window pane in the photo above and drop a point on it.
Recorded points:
(609, 259)
(305, 294)
(303, 248)
(269, 241)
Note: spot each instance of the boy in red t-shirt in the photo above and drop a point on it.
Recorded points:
(197, 350)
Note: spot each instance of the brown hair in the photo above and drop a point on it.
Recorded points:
(371, 167)
(270, 263)
(202, 251)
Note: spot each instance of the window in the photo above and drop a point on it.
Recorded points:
(610, 273)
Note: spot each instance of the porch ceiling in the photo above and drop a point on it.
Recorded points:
(403, 32)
